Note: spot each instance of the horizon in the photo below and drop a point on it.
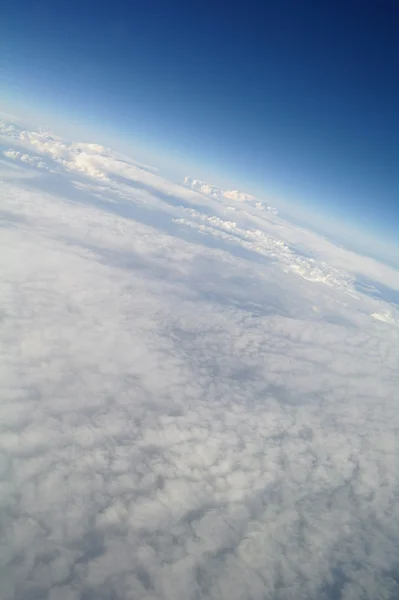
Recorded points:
(327, 162)
(313, 218)
(199, 273)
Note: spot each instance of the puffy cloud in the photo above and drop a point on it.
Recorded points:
(13, 154)
(9, 130)
(217, 193)
(308, 242)
(179, 420)
(93, 160)
(204, 188)
(261, 243)
(34, 161)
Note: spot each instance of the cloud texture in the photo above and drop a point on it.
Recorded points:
(183, 416)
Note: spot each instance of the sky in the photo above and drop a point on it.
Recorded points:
(297, 101)
(198, 350)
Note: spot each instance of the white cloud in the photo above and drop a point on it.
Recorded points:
(9, 130)
(179, 420)
(14, 155)
(34, 161)
(385, 316)
(318, 246)
(119, 172)
(259, 242)
(217, 193)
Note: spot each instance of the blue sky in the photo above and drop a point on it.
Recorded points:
(297, 100)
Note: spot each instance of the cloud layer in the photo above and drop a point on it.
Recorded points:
(183, 416)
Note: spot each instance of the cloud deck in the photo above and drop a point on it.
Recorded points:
(180, 421)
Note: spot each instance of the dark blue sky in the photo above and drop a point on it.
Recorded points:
(296, 98)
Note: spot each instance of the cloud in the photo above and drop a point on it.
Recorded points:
(9, 130)
(386, 317)
(257, 227)
(308, 242)
(116, 174)
(34, 161)
(84, 157)
(217, 193)
(261, 243)
(180, 421)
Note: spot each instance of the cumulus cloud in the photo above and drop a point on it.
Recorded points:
(9, 130)
(215, 192)
(34, 161)
(181, 421)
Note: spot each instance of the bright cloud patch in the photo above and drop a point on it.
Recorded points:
(217, 193)
(192, 406)
(386, 317)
